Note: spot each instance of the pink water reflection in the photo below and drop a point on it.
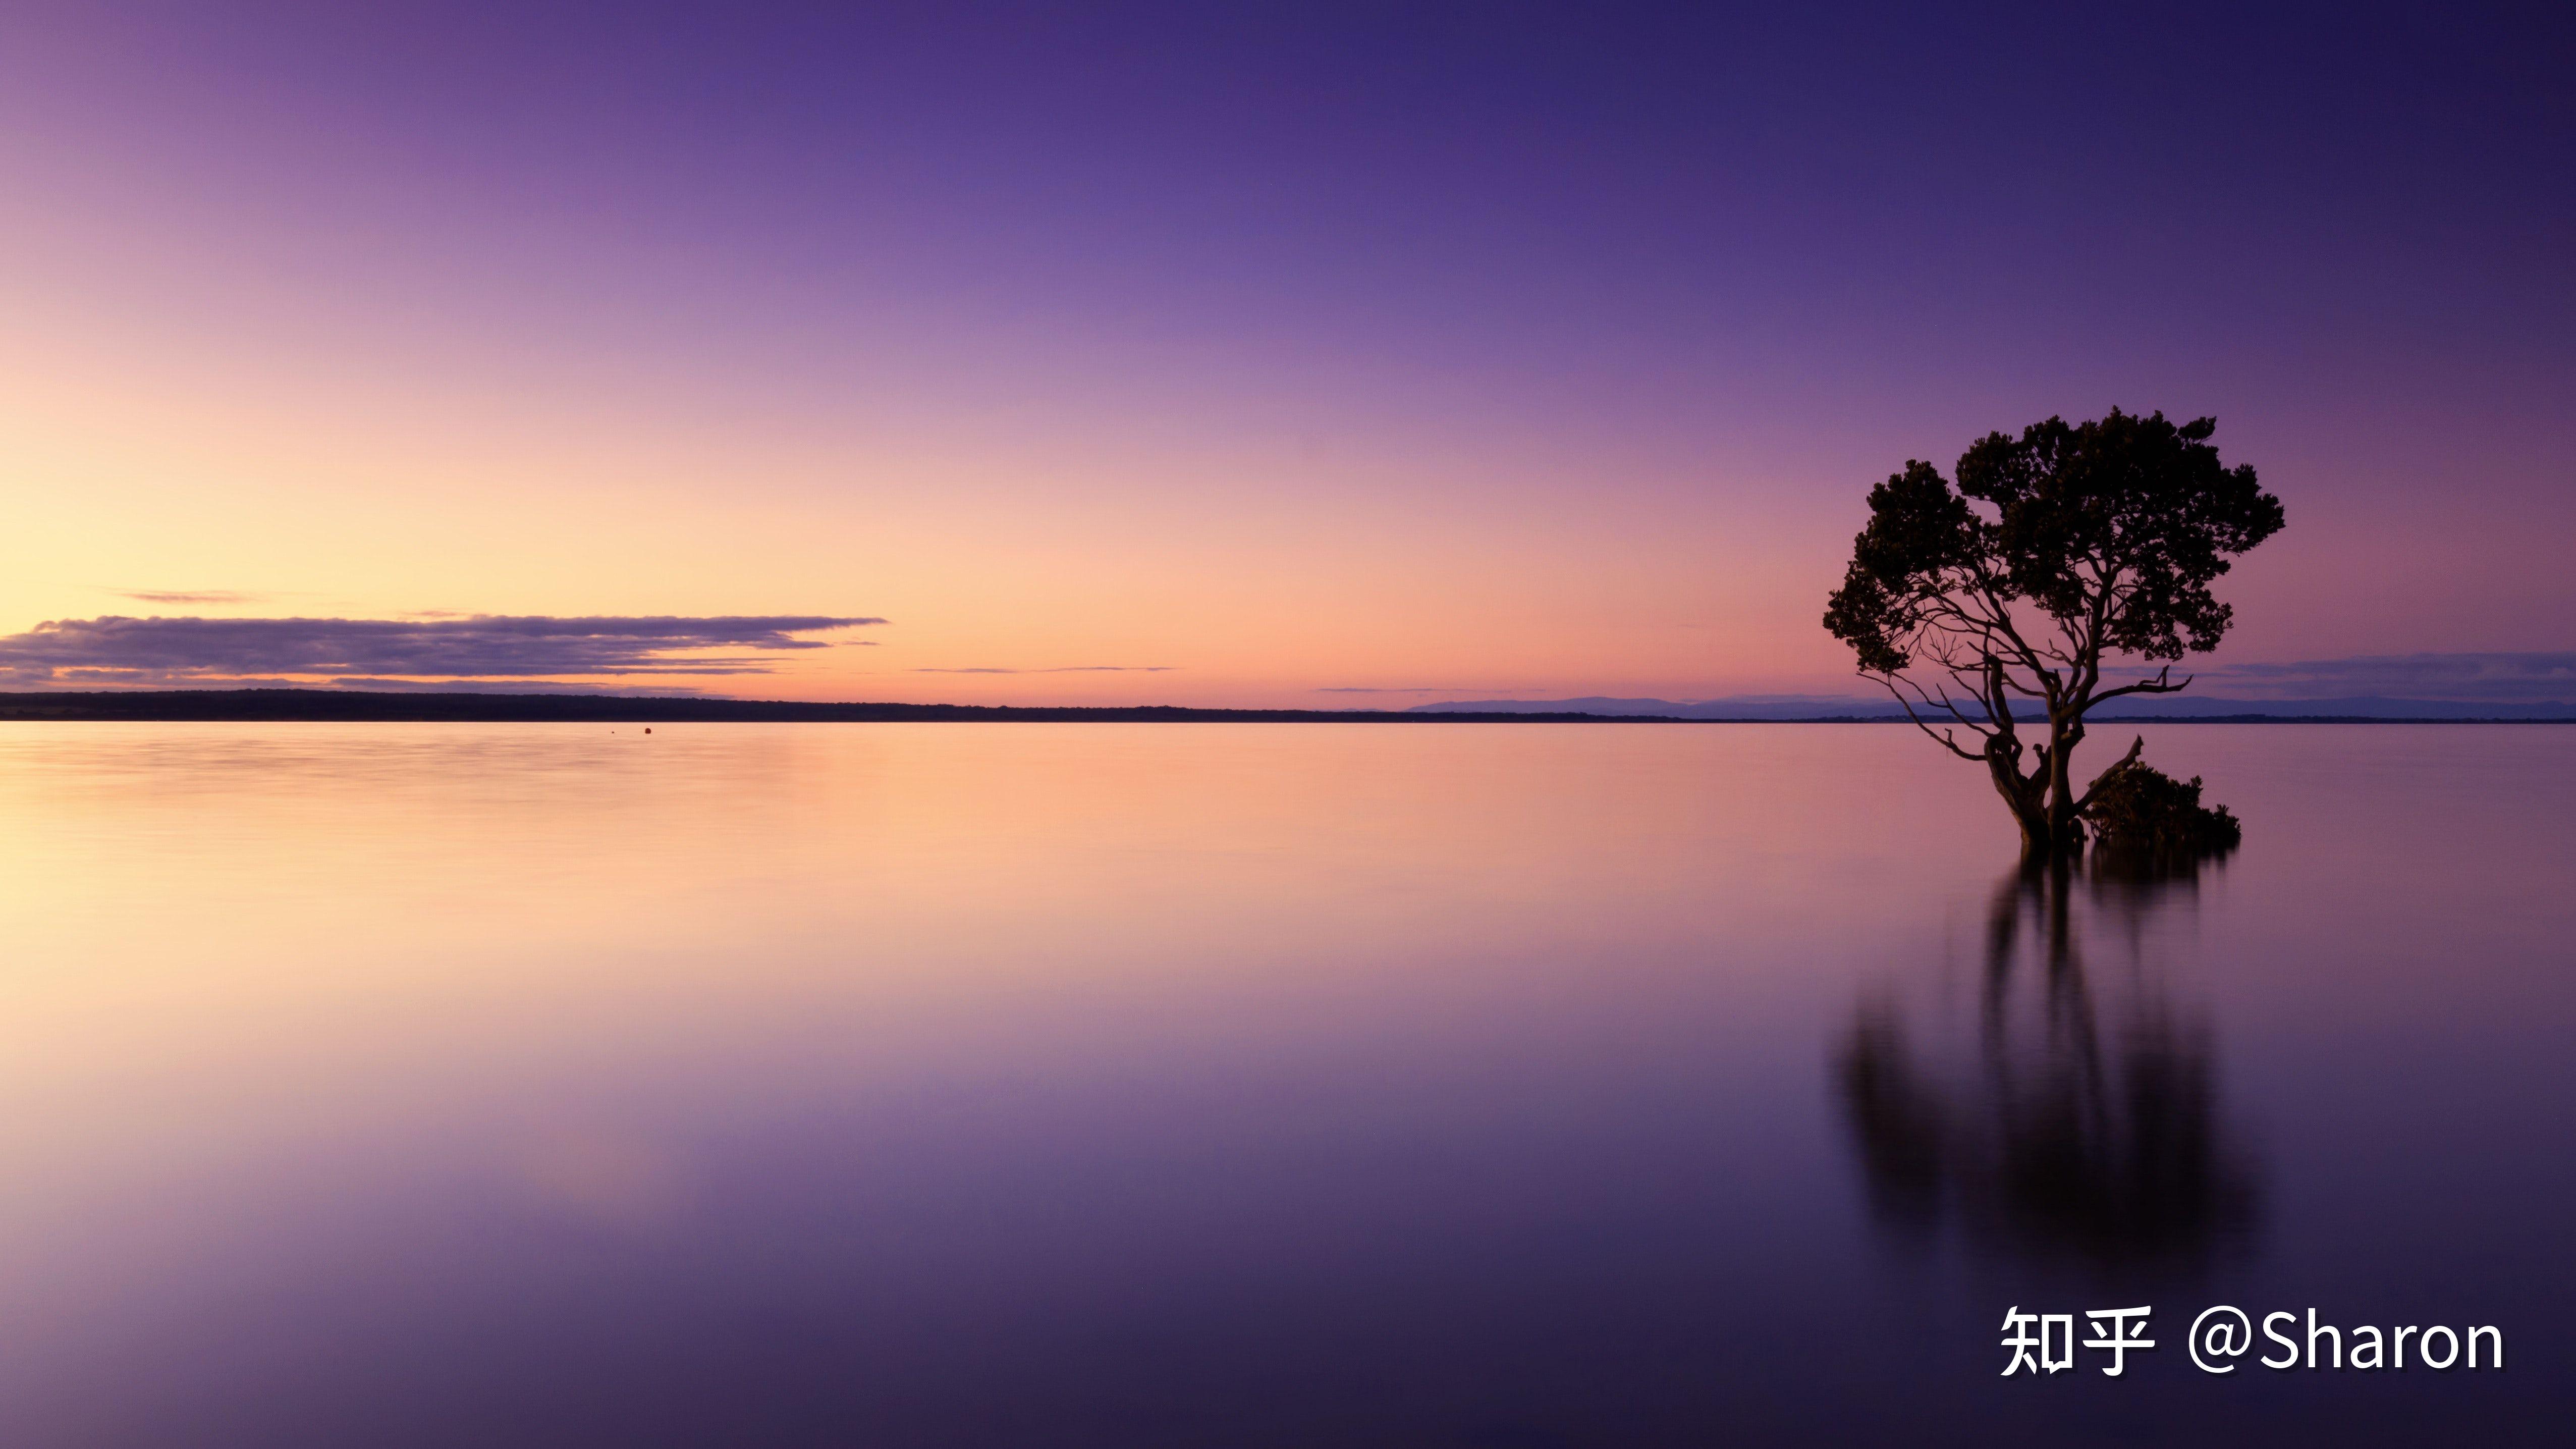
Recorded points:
(975, 1080)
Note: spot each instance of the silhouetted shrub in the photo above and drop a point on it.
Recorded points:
(2145, 814)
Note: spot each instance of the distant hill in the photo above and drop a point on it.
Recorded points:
(367, 705)
(2183, 706)
(1780, 707)
(360, 705)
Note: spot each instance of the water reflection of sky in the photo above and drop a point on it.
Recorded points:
(1106, 1084)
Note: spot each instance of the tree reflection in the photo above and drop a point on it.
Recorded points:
(2076, 1117)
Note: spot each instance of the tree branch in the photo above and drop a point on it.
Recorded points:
(1941, 737)
(2136, 746)
(2156, 685)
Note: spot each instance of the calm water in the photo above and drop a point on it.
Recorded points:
(1254, 1085)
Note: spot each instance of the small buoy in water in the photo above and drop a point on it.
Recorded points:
(648, 729)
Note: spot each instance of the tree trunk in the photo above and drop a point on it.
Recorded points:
(2026, 797)
(2038, 839)
(2065, 833)
(2042, 802)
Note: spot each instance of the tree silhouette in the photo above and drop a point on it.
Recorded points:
(2068, 544)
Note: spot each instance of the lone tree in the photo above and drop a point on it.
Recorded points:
(2057, 548)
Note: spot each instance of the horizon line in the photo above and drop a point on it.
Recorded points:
(289, 704)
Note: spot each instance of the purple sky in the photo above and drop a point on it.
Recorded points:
(1542, 349)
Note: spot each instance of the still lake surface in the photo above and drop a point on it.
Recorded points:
(1489, 1085)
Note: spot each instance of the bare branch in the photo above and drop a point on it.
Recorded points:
(2156, 685)
(1940, 737)
(2029, 658)
(2135, 747)
(1942, 701)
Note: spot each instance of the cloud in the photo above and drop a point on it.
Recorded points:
(192, 650)
(1411, 689)
(1065, 669)
(2500, 678)
(189, 596)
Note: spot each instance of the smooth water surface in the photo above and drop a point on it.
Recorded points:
(1225, 1084)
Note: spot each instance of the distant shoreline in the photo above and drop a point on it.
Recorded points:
(325, 706)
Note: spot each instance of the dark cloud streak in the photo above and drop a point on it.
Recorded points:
(2534, 677)
(195, 650)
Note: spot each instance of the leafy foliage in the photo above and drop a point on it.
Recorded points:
(2114, 528)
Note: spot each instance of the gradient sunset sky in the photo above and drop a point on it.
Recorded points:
(1241, 355)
